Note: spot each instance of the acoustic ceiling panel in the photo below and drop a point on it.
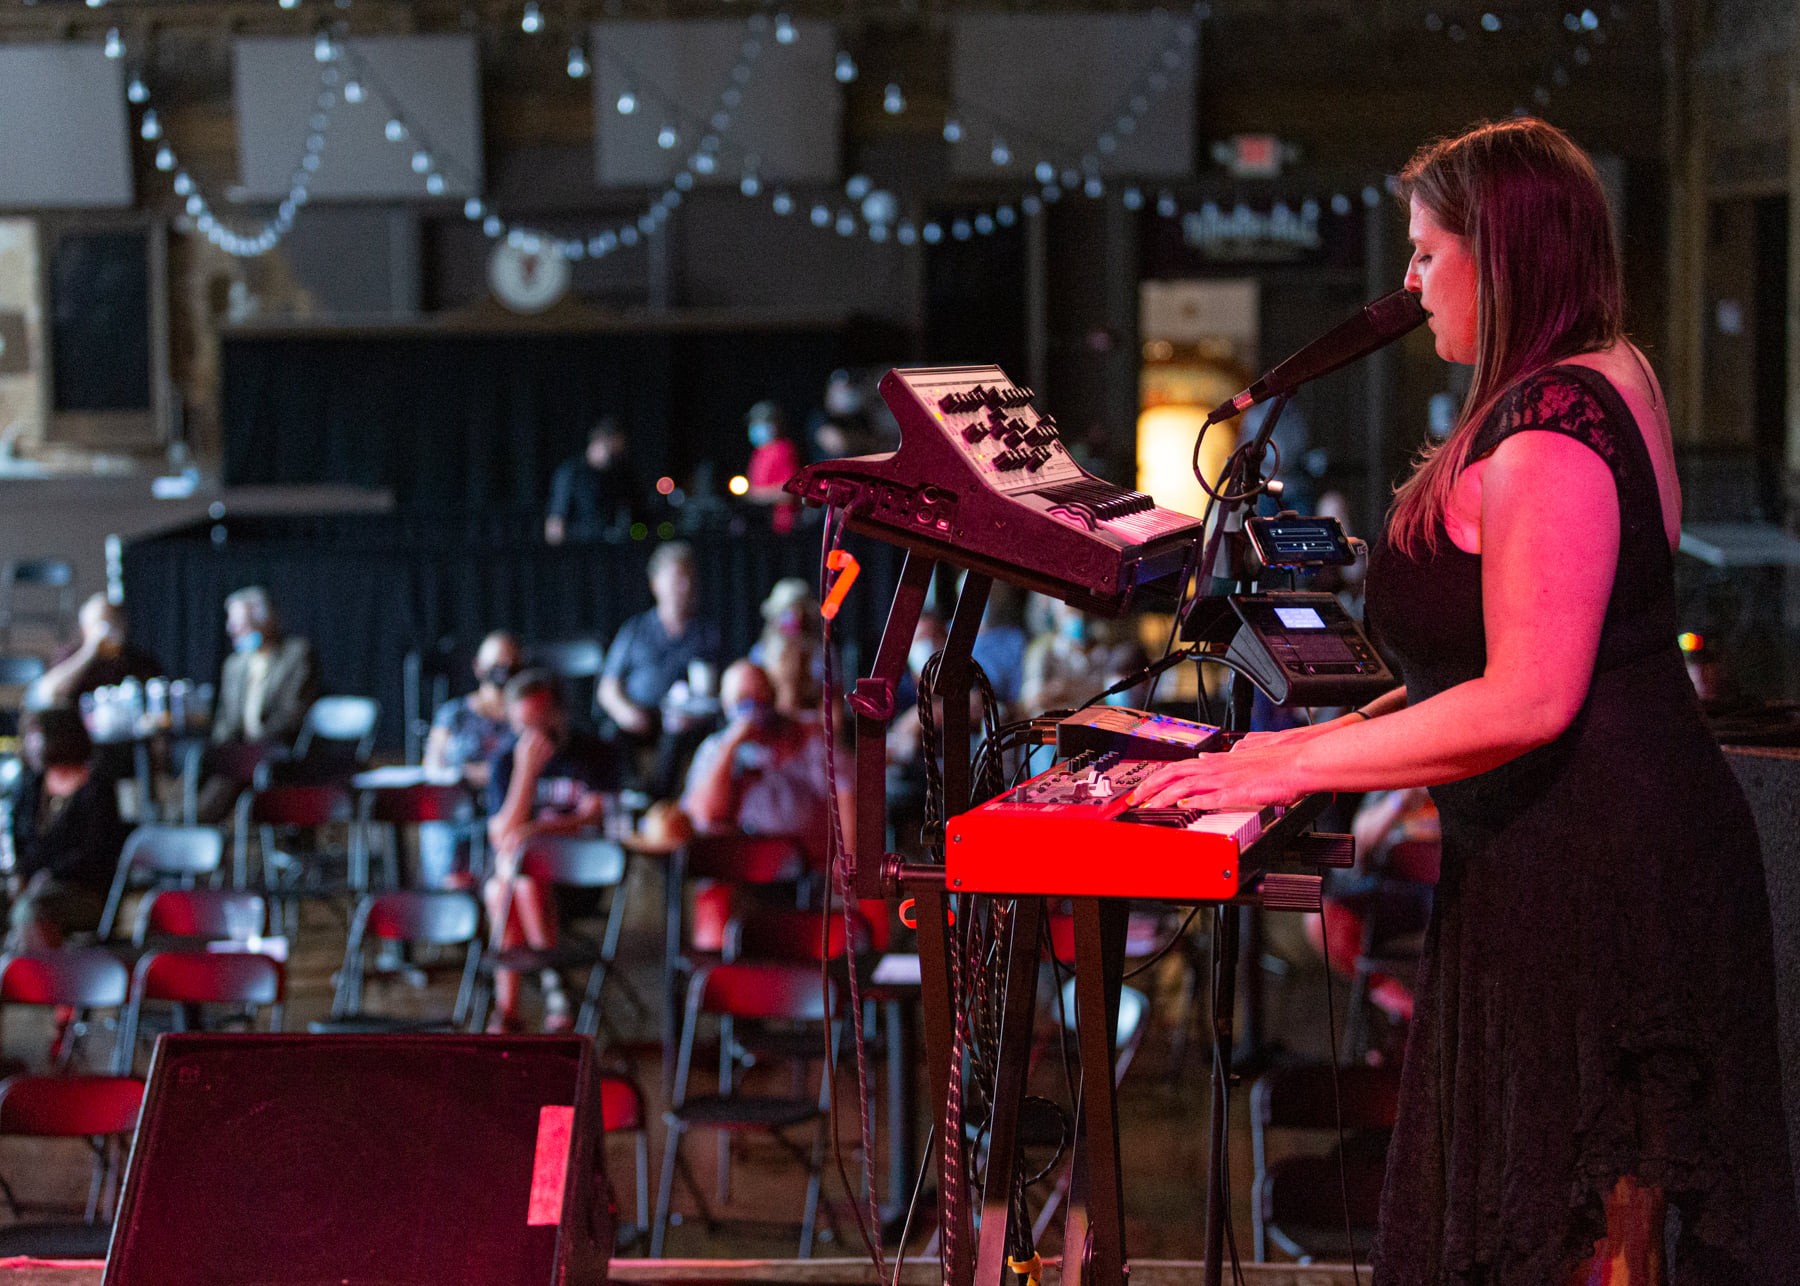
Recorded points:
(784, 105)
(431, 83)
(64, 139)
(1114, 90)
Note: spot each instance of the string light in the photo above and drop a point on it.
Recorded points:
(627, 103)
(844, 68)
(578, 62)
(893, 102)
(137, 92)
(532, 20)
(115, 44)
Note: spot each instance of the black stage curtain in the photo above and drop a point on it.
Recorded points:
(458, 423)
(367, 589)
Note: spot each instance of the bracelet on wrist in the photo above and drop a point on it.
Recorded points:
(1364, 713)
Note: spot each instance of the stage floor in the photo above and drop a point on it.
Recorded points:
(787, 1272)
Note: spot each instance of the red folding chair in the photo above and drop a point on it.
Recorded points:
(406, 917)
(169, 856)
(187, 981)
(765, 992)
(97, 1109)
(622, 1113)
(81, 979)
(225, 915)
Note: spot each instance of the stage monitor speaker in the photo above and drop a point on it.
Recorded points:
(392, 1159)
(1770, 776)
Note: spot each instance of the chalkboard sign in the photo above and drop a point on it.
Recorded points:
(100, 320)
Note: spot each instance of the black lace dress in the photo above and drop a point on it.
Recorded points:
(1596, 997)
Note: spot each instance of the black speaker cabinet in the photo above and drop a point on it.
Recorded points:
(354, 1160)
(1770, 777)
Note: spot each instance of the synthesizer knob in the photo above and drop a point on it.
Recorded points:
(974, 433)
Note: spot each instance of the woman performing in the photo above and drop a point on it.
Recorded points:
(1591, 1094)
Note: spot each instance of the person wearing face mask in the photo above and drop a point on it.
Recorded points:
(467, 730)
(773, 460)
(764, 772)
(265, 688)
(466, 733)
(1076, 659)
(66, 834)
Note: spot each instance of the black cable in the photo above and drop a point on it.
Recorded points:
(1337, 1095)
(912, 1205)
(838, 868)
(1164, 949)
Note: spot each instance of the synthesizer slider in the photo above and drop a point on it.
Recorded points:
(1068, 832)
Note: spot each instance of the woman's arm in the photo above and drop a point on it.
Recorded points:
(1549, 531)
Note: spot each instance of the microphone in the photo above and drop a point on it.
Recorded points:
(1376, 326)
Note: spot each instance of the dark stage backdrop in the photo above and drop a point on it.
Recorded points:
(367, 589)
(459, 423)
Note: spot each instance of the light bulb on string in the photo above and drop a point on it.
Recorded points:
(353, 91)
(858, 187)
(784, 29)
(290, 4)
(782, 204)
(578, 67)
(493, 226)
(750, 185)
(961, 230)
(115, 44)
(323, 50)
(821, 216)
(984, 224)
(532, 20)
(151, 128)
(165, 159)
(844, 68)
(933, 233)
(666, 137)
(183, 184)
(194, 204)
(878, 233)
(473, 210)
(953, 130)
(434, 184)
(1133, 199)
(703, 163)
(906, 234)
(137, 91)
(396, 130)
(628, 235)
(683, 181)
(627, 103)
(1094, 188)
(421, 161)
(1165, 205)
(893, 102)
(1000, 153)
(846, 224)
(1045, 172)
(1006, 216)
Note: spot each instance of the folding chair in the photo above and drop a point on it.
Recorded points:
(1298, 1200)
(167, 854)
(188, 980)
(80, 978)
(224, 915)
(393, 808)
(570, 863)
(1391, 942)
(767, 992)
(734, 862)
(50, 598)
(277, 815)
(98, 1109)
(435, 918)
(622, 1112)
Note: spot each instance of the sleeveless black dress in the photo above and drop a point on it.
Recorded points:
(1596, 997)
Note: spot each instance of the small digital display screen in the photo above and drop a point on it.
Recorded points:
(1300, 618)
(1303, 538)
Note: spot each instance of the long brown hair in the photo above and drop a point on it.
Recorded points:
(1547, 278)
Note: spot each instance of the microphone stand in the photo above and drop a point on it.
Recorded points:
(1232, 573)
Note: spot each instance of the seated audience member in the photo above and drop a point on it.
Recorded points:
(66, 834)
(265, 688)
(466, 734)
(791, 662)
(791, 611)
(842, 426)
(550, 779)
(764, 772)
(1074, 661)
(590, 492)
(467, 731)
(773, 460)
(650, 652)
(1000, 643)
(99, 657)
